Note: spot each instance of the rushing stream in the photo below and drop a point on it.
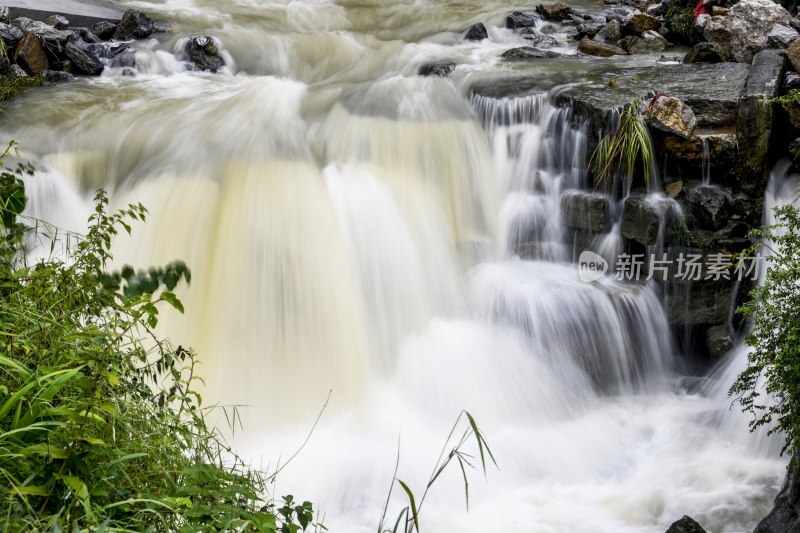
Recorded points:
(356, 228)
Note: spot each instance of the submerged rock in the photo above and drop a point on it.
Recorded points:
(439, 68)
(203, 52)
(476, 32)
(30, 54)
(594, 48)
(685, 525)
(671, 115)
(57, 76)
(745, 30)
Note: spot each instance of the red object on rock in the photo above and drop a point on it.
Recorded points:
(700, 9)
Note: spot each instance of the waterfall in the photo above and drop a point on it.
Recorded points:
(355, 228)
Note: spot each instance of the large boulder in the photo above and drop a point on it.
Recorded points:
(134, 25)
(595, 48)
(527, 53)
(706, 53)
(587, 211)
(671, 115)
(517, 20)
(745, 30)
(203, 52)
(82, 60)
(476, 32)
(644, 219)
(30, 55)
(555, 12)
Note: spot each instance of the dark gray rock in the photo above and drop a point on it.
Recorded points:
(59, 22)
(642, 219)
(595, 48)
(698, 302)
(11, 35)
(203, 52)
(744, 32)
(30, 54)
(104, 29)
(528, 53)
(134, 25)
(782, 36)
(791, 81)
(785, 516)
(706, 53)
(588, 211)
(756, 120)
(82, 60)
(719, 341)
(439, 68)
(476, 32)
(589, 29)
(517, 20)
(685, 525)
(711, 207)
(5, 64)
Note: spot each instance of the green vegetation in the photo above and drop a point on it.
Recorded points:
(101, 426)
(680, 18)
(769, 388)
(625, 149)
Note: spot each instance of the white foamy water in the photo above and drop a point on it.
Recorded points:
(356, 228)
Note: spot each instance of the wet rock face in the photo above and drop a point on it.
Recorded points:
(686, 525)
(476, 32)
(528, 53)
(785, 516)
(30, 54)
(719, 341)
(744, 32)
(671, 115)
(595, 48)
(641, 219)
(440, 68)
(711, 207)
(586, 211)
(706, 53)
(203, 52)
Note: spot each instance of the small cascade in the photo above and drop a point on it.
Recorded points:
(706, 164)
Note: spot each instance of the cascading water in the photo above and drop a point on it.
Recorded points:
(355, 228)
